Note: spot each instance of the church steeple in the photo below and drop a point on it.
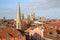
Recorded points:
(18, 20)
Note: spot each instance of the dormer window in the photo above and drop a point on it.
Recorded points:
(50, 33)
(50, 27)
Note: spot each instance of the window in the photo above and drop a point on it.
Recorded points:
(58, 35)
(50, 33)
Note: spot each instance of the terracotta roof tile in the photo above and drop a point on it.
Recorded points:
(8, 32)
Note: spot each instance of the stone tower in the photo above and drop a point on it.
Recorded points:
(18, 20)
(22, 16)
(32, 17)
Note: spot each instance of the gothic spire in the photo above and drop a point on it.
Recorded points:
(18, 20)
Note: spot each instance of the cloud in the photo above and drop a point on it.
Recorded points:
(42, 7)
(28, 6)
(41, 4)
(53, 4)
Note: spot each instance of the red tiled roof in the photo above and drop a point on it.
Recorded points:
(56, 38)
(7, 31)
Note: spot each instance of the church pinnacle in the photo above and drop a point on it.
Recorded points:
(18, 20)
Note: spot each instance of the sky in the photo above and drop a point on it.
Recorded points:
(47, 8)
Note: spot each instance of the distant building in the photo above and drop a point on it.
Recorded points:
(22, 16)
(32, 16)
(41, 18)
(4, 18)
(36, 32)
(27, 19)
(51, 30)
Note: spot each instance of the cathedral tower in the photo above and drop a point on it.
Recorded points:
(32, 17)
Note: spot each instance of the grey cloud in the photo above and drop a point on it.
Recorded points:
(53, 4)
(44, 4)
